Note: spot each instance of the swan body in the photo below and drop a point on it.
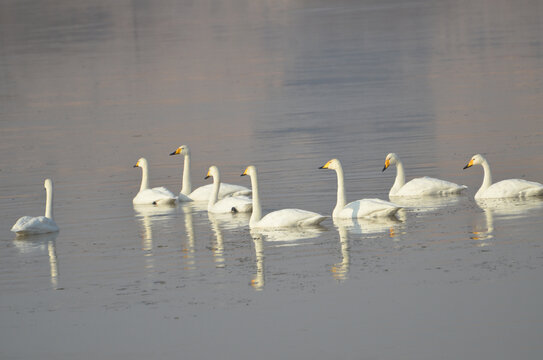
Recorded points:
(364, 208)
(203, 193)
(28, 225)
(229, 204)
(154, 196)
(281, 218)
(424, 186)
(503, 189)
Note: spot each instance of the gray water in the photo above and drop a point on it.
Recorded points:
(86, 88)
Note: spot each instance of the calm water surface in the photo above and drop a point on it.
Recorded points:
(86, 88)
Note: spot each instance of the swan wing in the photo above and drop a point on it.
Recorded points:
(155, 196)
(34, 225)
(290, 218)
(232, 204)
(513, 188)
(368, 208)
(429, 186)
(225, 190)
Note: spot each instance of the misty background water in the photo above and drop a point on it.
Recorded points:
(86, 88)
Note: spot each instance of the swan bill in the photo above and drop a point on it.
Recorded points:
(470, 164)
(245, 172)
(325, 166)
(177, 151)
(387, 164)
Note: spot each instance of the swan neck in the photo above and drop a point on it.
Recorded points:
(341, 198)
(257, 208)
(487, 180)
(215, 192)
(400, 178)
(144, 177)
(186, 188)
(49, 202)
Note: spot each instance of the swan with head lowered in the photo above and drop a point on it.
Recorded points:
(424, 186)
(281, 218)
(29, 225)
(505, 188)
(203, 193)
(232, 204)
(364, 208)
(154, 196)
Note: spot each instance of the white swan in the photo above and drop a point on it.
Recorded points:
(154, 196)
(203, 192)
(229, 204)
(364, 208)
(505, 188)
(280, 218)
(28, 225)
(419, 186)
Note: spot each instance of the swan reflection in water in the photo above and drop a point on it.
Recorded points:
(502, 209)
(370, 228)
(27, 244)
(224, 221)
(152, 216)
(375, 227)
(188, 250)
(340, 270)
(279, 237)
(424, 204)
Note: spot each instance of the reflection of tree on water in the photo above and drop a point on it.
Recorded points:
(504, 209)
(39, 243)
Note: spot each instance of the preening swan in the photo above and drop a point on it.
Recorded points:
(280, 218)
(203, 192)
(28, 225)
(505, 188)
(364, 208)
(154, 196)
(419, 186)
(229, 204)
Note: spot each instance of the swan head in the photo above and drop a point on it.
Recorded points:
(48, 184)
(391, 159)
(477, 159)
(251, 171)
(213, 171)
(142, 163)
(333, 164)
(182, 150)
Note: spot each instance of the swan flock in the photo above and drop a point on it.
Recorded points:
(230, 198)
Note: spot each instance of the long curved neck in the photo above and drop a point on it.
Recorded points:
(49, 203)
(341, 199)
(144, 177)
(400, 178)
(487, 180)
(257, 208)
(215, 192)
(186, 188)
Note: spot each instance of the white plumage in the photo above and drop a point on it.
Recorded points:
(505, 188)
(28, 225)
